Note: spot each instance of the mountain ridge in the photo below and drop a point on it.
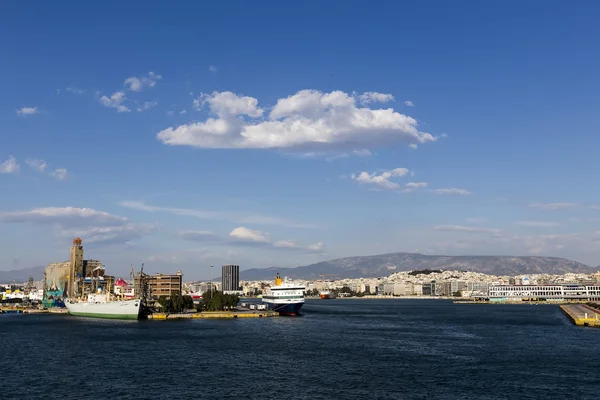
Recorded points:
(22, 275)
(385, 264)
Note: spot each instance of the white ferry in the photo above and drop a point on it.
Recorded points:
(284, 297)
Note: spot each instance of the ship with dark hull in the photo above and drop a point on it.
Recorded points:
(285, 297)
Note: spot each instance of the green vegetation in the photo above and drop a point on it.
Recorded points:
(176, 303)
(219, 301)
(458, 293)
(424, 272)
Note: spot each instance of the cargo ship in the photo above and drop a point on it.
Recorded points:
(327, 294)
(102, 306)
(285, 297)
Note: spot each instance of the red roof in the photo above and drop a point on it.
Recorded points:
(121, 282)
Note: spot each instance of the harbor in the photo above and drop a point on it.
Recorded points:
(81, 288)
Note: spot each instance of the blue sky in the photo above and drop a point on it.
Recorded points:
(187, 134)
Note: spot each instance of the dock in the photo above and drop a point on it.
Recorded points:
(20, 310)
(214, 315)
(582, 315)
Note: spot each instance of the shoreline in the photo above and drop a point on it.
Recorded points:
(389, 298)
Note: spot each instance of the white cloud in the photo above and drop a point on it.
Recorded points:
(476, 220)
(232, 216)
(229, 105)
(115, 101)
(182, 112)
(412, 186)
(92, 225)
(374, 97)
(212, 68)
(67, 215)
(147, 105)
(537, 224)
(25, 111)
(10, 166)
(553, 206)
(382, 180)
(38, 165)
(60, 174)
(285, 243)
(137, 84)
(362, 153)
(75, 90)
(242, 236)
(308, 119)
(317, 247)
(451, 191)
(244, 233)
(468, 229)
(122, 234)
(409, 103)
(170, 112)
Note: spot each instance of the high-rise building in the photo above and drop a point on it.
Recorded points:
(230, 278)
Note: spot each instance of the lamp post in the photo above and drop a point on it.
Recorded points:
(211, 284)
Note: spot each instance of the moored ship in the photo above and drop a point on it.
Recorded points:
(102, 306)
(285, 297)
(327, 294)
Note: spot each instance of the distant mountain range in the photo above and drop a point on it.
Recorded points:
(22, 275)
(386, 264)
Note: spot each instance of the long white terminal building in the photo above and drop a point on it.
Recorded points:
(544, 292)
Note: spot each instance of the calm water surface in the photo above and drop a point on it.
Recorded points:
(339, 349)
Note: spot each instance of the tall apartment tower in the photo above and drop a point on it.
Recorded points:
(230, 278)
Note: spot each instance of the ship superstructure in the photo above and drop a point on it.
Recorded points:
(284, 296)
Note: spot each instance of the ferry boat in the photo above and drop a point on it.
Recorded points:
(284, 297)
(326, 294)
(102, 306)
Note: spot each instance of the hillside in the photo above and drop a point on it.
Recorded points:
(22, 275)
(385, 264)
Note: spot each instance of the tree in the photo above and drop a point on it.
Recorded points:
(176, 303)
(219, 301)
(458, 293)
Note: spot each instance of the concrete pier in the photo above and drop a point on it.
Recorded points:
(582, 315)
(215, 315)
(21, 310)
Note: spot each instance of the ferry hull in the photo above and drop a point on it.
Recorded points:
(128, 309)
(291, 309)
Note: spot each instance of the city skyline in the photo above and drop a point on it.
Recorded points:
(212, 134)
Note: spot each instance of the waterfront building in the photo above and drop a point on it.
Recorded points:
(230, 279)
(416, 289)
(428, 289)
(159, 284)
(556, 292)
